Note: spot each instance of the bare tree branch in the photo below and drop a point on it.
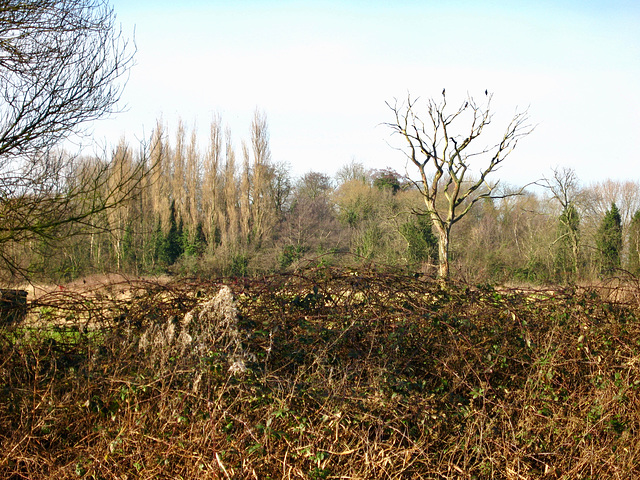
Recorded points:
(443, 158)
(63, 63)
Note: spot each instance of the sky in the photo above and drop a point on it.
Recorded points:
(323, 71)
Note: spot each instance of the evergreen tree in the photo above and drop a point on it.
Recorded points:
(422, 244)
(216, 241)
(195, 245)
(634, 244)
(200, 240)
(609, 240)
(185, 237)
(387, 179)
(173, 240)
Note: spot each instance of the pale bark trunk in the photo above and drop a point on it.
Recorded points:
(443, 254)
(442, 230)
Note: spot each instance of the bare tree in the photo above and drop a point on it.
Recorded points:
(565, 188)
(62, 196)
(443, 158)
(625, 194)
(231, 195)
(263, 214)
(313, 185)
(62, 64)
(352, 171)
(212, 182)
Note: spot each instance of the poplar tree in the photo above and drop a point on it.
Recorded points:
(231, 197)
(263, 215)
(213, 214)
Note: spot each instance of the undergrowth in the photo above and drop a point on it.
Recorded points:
(322, 375)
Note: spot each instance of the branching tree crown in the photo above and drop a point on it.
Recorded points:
(442, 149)
(565, 189)
(63, 63)
(568, 242)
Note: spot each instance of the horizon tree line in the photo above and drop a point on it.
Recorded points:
(213, 213)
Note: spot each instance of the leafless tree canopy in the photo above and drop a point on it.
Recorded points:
(565, 187)
(442, 148)
(62, 63)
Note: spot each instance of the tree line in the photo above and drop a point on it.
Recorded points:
(234, 210)
(174, 206)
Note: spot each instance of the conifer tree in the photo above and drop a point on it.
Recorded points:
(609, 240)
(422, 244)
(173, 240)
(196, 244)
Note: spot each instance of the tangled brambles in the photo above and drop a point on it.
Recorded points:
(326, 374)
(160, 340)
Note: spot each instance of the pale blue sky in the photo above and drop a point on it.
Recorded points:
(322, 71)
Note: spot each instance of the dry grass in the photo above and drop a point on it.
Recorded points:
(326, 374)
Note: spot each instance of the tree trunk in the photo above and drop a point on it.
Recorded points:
(443, 256)
(576, 256)
(443, 249)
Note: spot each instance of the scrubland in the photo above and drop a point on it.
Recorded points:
(325, 374)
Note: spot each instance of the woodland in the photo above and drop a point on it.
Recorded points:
(219, 210)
